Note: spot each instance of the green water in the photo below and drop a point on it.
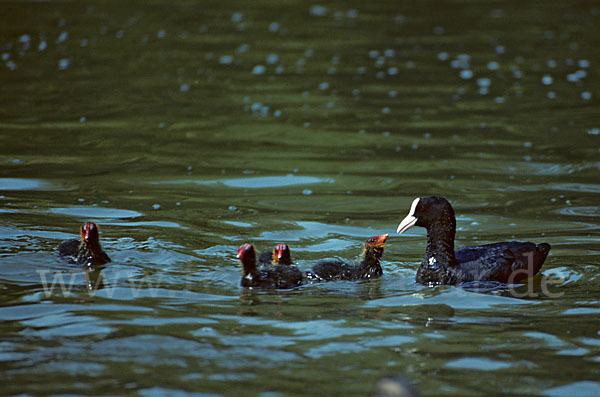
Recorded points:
(188, 128)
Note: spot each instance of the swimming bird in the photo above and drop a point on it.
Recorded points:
(86, 251)
(268, 276)
(280, 255)
(507, 262)
(368, 267)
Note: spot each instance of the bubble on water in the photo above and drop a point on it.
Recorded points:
(586, 95)
(500, 99)
(11, 66)
(309, 53)
(500, 49)
(463, 57)
(427, 135)
(279, 69)
(380, 62)
(274, 27)
(466, 74)
(355, 92)
(119, 34)
(25, 38)
(517, 74)
(386, 110)
(362, 132)
(410, 64)
(256, 107)
(64, 63)
(161, 34)
(306, 124)
(82, 119)
(551, 63)
(323, 86)
(551, 95)
(392, 71)
(232, 208)
(330, 105)
(307, 192)
(393, 93)
(237, 17)
(438, 30)
(184, 88)
(42, 46)
(84, 42)
(6, 56)
(277, 113)
(547, 80)
(362, 70)
(226, 60)
(443, 56)
(352, 13)
(272, 59)
(584, 63)
(242, 49)
(386, 133)
(483, 90)
(331, 70)
(493, 65)
(156, 207)
(62, 37)
(389, 53)
(484, 82)
(318, 11)
(594, 131)
(373, 54)
(527, 144)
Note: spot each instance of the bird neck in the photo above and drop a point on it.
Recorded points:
(248, 267)
(440, 244)
(371, 257)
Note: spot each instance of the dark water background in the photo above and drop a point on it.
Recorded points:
(187, 128)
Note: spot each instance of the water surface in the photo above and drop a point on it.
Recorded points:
(188, 128)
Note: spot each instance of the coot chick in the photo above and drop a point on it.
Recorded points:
(369, 266)
(279, 256)
(506, 262)
(267, 276)
(86, 251)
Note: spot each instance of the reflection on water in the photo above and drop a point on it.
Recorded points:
(187, 129)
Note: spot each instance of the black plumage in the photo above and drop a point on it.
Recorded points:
(506, 262)
(268, 276)
(368, 267)
(86, 251)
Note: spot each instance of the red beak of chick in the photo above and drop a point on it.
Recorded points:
(379, 241)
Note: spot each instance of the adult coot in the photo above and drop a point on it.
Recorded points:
(369, 266)
(268, 276)
(506, 262)
(86, 251)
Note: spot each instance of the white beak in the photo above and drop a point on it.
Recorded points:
(410, 219)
